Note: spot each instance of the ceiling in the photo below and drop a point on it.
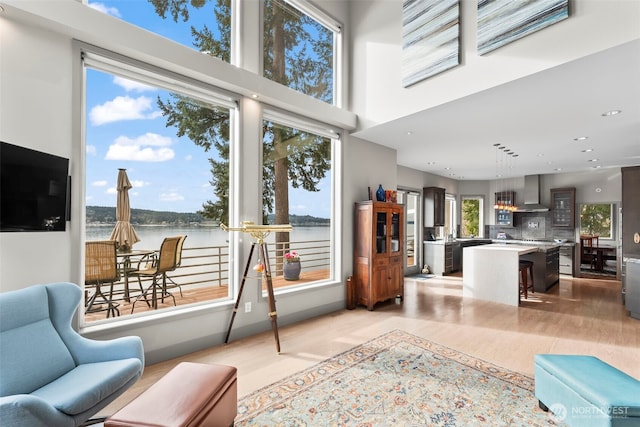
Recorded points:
(536, 117)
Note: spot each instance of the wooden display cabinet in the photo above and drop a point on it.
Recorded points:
(563, 202)
(378, 252)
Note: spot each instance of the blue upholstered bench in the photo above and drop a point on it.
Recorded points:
(584, 391)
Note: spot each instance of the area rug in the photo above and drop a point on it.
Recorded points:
(397, 379)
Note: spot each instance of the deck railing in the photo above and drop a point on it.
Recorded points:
(203, 273)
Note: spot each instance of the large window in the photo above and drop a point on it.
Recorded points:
(203, 25)
(472, 224)
(297, 189)
(173, 143)
(596, 220)
(301, 48)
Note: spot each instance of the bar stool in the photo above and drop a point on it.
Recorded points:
(526, 267)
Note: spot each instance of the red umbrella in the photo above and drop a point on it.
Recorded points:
(123, 232)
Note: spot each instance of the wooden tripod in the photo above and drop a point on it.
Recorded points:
(259, 233)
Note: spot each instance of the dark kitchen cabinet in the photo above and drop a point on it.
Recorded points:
(563, 201)
(504, 217)
(433, 206)
(631, 212)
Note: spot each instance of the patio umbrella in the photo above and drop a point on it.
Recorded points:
(123, 232)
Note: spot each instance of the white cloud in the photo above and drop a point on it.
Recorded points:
(141, 149)
(91, 150)
(188, 157)
(123, 108)
(171, 197)
(111, 190)
(101, 7)
(138, 184)
(101, 183)
(132, 86)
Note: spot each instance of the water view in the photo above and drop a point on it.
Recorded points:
(151, 236)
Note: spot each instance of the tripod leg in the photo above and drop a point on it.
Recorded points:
(244, 279)
(273, 314)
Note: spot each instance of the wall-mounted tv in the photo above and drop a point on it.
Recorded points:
(34, 190)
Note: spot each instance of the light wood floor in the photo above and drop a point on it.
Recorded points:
(578, 316)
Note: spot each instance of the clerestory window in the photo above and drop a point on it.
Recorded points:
(205, 26)
(302, 48)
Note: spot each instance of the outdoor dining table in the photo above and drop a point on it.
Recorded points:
(125, 262)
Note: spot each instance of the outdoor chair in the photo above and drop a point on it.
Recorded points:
(52, 376)
(156, 267)
(100, 268)
(174, 284)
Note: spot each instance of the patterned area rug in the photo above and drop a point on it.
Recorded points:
(397, 379)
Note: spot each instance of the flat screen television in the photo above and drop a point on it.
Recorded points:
(34, 190)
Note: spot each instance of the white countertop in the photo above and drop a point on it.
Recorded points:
(519, 249)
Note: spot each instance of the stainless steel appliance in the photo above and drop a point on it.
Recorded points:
(631, 286)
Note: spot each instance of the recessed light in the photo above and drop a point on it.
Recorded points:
(431, 163)
(581, 138)
(540, 155)
(255, 96)
(593, 160)
(596, 167)
(557, 169)
(611, 113)
(587, 150)
(409, 133)
(447, 168)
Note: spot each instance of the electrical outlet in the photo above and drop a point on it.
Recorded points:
(247, 307)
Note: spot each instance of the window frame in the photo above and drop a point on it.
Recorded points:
(480, 199)
(113, 63)
(284, 118)
(611, 231)
(330, 24)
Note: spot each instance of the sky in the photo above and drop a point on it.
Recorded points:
(124, 129)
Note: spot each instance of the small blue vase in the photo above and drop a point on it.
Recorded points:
(381, 196)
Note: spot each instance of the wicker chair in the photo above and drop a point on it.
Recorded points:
(100, 268)
(156, 268)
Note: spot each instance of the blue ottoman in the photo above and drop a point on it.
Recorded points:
(584, 391)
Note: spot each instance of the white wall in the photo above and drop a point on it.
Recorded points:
(377, 92)
(40, 106)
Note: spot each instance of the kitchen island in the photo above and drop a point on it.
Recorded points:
(491, 272)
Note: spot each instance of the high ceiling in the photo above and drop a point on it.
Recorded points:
(537, 117)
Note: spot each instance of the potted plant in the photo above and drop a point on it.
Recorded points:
(291, 266)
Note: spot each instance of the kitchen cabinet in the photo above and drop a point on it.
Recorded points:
(630, 212)
(378, 252)
(566, 258)
(546, 268)
(563, 207)
(433, 206)
(504, 217)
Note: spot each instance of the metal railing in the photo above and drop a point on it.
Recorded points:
(207, 267)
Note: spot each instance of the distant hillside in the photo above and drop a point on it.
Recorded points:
(107, 215)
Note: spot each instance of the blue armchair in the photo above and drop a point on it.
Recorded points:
(50, 375)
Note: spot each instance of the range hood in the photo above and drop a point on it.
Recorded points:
(532, 195)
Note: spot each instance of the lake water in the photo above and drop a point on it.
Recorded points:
(151, 236)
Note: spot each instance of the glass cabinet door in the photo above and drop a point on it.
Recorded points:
(381, 232)
(395, 232)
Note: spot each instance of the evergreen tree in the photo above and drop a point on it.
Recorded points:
(291, 156)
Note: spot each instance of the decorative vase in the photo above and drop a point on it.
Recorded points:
(381, 195)
(291, 270)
